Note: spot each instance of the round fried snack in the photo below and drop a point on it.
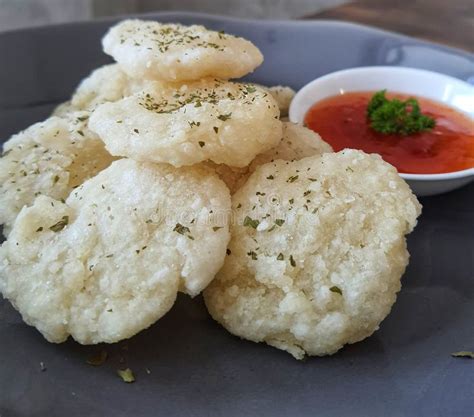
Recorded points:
(317, 252)
(109, 262)
(172, 52)
(104, 84)
(210, 119)
(297, 143)
(49, 158)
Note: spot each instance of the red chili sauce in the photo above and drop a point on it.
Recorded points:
(342, 122)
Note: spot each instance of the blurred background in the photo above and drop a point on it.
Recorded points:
(22, 13)
(445, 21)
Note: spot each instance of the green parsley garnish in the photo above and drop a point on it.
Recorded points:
(396, 116)
(292, 261)
(202, 144)
(336, 289)
(60, 225)
(279, 222)
(280, 257)
(126, 375)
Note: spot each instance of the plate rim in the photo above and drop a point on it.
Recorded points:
(304, 22)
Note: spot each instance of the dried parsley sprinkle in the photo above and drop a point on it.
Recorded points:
(80, 132)
(336, 289)
(270, 177)
(136, 131)
(280, 257)
(126, 375)
(179, 228)
(39, 229)
(224, 117)
(292, 178)
(216, 228)
(249, 222)
(279, 222)
(292, 261)
(60, 225)
(202, 144)
(307, 193)
(463, 354)
(291, 200)
(228, 251)
(253, 255)
(55, 179)
(216, 129)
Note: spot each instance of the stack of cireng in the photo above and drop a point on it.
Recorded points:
(161, 175)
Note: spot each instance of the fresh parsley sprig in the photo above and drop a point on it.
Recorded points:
(396, 116)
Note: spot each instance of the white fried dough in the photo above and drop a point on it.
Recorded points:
(283, 96)
(49, 158)
(297, 142)
(109, 262)
(173, 52)
(104, 84)
(317, 262)
(185, 124)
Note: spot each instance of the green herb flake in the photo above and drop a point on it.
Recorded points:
(39, 229)
(280, 257)
(60, 225)
(224, 117)
(253, 255)
(55, 179)
(216, 129)
(126, 375)
(279, 222)
(228, 252)
(270, 177)
(216, 228)
(202, 144)
(292, 261)
(179, 228)
(292, 178)
(397, 117)
(98, 358)
(336, 289)
(463, 354)
(249, 222)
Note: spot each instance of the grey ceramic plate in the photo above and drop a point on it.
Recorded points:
(197, 368)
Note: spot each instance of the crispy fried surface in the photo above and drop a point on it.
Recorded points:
(317, 264)
(185, 124)
(172, 52)
(109, 262)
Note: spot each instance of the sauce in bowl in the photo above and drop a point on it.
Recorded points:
(342, 122)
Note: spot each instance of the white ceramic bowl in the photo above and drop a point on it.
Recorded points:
(431, 85)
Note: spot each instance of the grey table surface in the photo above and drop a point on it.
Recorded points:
(196, 367)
